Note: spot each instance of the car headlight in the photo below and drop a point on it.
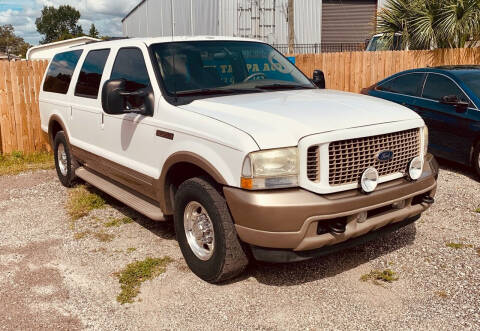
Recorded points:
(425, 140)
(270, 169)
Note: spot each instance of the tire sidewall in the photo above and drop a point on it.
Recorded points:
(60, 139)
(210, 269)
(475, 159)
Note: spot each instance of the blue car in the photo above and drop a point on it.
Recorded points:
(448, 100)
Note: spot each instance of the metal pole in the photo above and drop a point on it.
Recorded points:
(291, 26)
(173, 18)
(191, 17)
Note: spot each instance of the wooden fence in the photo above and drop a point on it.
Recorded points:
(351, 71)
(19, 112)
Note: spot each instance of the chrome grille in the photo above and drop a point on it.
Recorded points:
(349, 158)
(313, 164)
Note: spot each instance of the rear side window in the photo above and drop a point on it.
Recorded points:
(90, 76)
(409, 84)
(59, 74)
(438, 86)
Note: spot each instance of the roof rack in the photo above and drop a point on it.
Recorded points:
(106, 39)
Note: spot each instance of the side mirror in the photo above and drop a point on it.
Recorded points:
(319, 79)
(452, 100)
(115, 98)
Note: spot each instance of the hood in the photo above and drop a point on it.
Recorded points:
(282, 118)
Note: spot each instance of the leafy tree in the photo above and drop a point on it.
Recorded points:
(58, 24)
(93, 31)
(426, 24)
(10, 43)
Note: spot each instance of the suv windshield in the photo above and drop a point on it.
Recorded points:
(224, 67)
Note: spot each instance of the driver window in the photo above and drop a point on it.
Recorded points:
(130, 65)
(438, 86)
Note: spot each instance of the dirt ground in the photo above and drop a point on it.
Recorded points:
(55, 275)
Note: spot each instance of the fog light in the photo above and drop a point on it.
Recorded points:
(415, 168)
(369, 180)
(362, 217)
(399, 204)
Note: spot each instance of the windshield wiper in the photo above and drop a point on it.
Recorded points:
(215, 91)
(283, 86)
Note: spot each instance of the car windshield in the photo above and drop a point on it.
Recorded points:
(471, 78)
(225, 67)
(378, 43)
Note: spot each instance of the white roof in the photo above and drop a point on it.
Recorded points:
(47, 51)
(156, 40)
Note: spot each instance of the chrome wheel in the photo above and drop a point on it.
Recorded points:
(199, 230)
(62, 159)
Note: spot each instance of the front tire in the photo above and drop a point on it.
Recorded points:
(476, 159)
(206, 233)
(64, 162)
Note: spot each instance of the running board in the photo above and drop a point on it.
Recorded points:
(122, 195)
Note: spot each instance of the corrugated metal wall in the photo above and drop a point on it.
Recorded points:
(347, 21)
(259, 19)
(330, 22)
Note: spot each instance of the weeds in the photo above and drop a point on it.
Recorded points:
(131, 249)
(103, 237)
(458, 245)
(81, 202)
(80, 235)
(16, 162)
(477, 210)
(442, 294)
(387, 276)
(136, 273)
(118, 221)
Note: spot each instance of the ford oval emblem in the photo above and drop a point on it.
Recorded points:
(385, 156)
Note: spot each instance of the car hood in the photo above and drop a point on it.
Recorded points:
(282, 118)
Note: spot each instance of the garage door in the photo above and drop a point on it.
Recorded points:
(347, 21)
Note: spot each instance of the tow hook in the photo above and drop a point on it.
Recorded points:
(428, 199)
(338, 227)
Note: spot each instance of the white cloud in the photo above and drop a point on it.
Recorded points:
(105, 14)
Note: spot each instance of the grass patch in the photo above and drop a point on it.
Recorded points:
(376, 276)
(103, 237)
(80, 235)
(477, 210)
(11, 164)
(131, 249)
(442, 294)
(136, 273)
(118, 221)
(81, 202)
(458, 245)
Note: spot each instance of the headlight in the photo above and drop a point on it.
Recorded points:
(275, 168)
(425, 140)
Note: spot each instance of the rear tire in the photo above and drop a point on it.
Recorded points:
(64, 161)
(212, 250)
(476, 159)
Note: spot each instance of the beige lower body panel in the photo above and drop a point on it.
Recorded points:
(307, 238)
(306, 210)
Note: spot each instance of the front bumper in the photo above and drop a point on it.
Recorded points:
(290, 219)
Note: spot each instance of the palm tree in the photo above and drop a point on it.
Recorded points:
(427, 24)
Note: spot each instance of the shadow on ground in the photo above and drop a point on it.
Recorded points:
(288, 274)
(457, 168)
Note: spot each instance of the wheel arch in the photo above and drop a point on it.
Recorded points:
(56, 124)
(179, 167)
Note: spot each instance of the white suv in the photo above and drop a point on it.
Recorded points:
(250, 157)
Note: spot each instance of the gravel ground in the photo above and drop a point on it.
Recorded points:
(52, 278)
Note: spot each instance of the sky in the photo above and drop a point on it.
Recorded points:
(105, 14)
